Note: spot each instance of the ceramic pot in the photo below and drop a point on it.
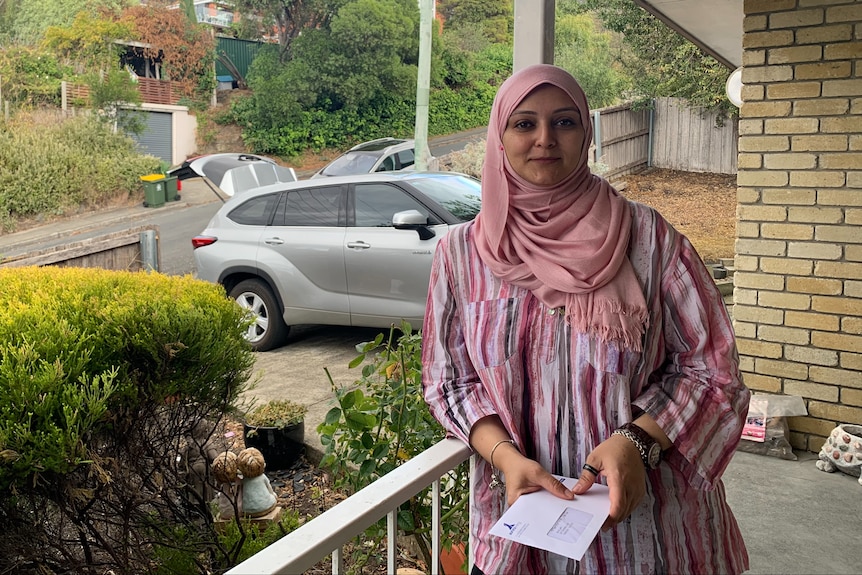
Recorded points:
(281, 446)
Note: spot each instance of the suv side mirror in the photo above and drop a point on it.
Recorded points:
(413, 220)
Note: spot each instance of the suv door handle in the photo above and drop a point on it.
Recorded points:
(359, 245)
(273, 241)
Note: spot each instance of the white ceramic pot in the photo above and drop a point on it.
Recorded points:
(842, 451)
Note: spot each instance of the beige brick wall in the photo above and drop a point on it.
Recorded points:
(798, 288)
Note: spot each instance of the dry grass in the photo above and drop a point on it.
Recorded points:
(701, 206)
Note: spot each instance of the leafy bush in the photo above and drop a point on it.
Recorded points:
(30, 77)
(56, 167)
(469, 160)
(276, 413)
(112, 387)
(382, 422)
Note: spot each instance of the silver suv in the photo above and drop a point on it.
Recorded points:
(381, 155)
(351, 250)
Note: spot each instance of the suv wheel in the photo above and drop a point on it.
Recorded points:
(268, 330)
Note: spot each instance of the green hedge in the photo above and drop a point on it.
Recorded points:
(78, 346)
(53, 168)
(111, 385)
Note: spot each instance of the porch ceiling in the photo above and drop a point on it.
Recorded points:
(713, 25)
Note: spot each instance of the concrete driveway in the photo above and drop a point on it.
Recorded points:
(297, 371)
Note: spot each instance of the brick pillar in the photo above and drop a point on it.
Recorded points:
(798, 284)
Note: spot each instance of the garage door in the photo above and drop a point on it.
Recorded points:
(157, 139)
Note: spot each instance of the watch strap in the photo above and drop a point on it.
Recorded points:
(643, 441)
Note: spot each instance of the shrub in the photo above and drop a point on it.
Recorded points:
(112, 387)
(276, 413)
(382, 422)
(56, 167)
(30, 77)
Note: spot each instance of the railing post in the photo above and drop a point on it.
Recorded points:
(391, 540)
(435, 528)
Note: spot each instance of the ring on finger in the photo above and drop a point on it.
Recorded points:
(591, 469)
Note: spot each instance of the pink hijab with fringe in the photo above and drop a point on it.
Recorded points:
(567, 243)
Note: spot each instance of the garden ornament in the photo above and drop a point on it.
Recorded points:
(258, 497)
(842, 451)
(229, 495)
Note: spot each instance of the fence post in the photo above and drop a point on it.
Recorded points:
(150, 250)
(597, 134)
(651, 134)
(64, 96)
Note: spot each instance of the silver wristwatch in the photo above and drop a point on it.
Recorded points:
(648, 447)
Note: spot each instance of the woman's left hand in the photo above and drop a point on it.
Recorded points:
(619, 461)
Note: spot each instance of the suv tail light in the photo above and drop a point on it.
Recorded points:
(200, 241)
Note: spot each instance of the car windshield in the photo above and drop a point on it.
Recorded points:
(351, 163)
(460, 195)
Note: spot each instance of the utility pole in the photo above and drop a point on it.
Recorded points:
(423, 85)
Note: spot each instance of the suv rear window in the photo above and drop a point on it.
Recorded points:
(256, 211)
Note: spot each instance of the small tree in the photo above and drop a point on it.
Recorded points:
(660, 61)
(186, 50)
(290, 18)
(586, 52)
(115, 94)
(30, 76)
(89, 46)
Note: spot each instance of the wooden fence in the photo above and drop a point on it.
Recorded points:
(690, 139)
(621, 140)
(671, 136)
(152, 91)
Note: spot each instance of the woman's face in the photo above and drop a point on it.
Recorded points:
(544, 136)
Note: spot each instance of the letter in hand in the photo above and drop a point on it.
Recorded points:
(526, 476)
(619, 462)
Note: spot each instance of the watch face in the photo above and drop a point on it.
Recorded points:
(654, 455)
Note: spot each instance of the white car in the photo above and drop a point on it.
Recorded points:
(381, 155)
(350, 250)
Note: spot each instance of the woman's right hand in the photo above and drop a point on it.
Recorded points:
(523, 475)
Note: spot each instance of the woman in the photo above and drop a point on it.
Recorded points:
(573, 332)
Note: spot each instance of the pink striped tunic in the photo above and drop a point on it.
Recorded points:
(492, 348)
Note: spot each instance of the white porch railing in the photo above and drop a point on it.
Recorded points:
(327, 533)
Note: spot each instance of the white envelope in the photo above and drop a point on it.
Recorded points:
(561, 526)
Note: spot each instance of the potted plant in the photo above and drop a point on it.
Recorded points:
(277, 429)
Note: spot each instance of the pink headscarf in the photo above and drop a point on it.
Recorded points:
(567, 243)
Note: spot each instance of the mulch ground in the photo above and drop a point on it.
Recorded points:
(308, 491)
(701, 206)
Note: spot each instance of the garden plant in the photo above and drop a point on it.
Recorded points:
(113, 388)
